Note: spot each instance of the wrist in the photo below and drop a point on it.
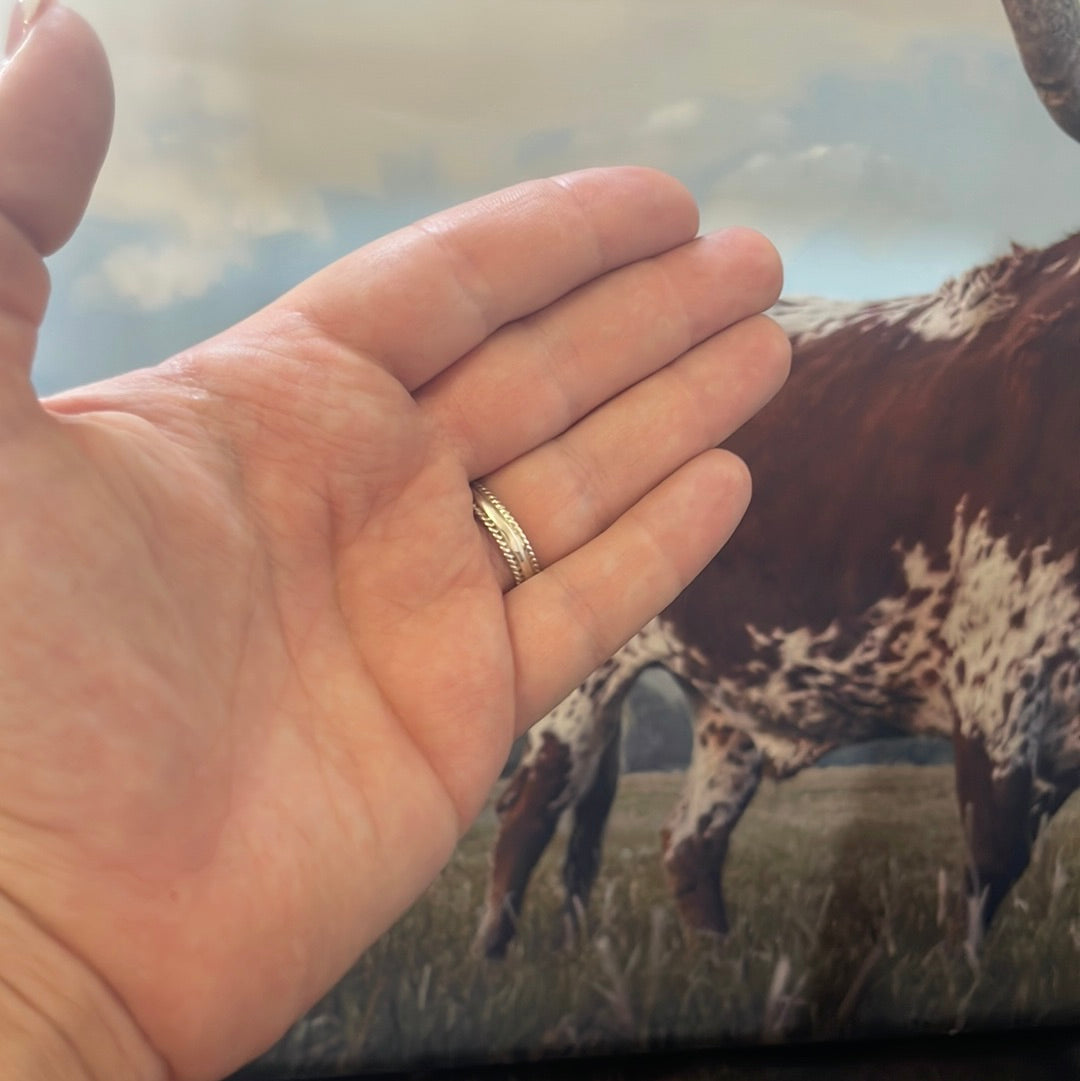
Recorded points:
(58, 1020)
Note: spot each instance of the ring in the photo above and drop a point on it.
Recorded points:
(505, 532)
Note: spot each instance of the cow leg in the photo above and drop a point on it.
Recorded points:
(557, 771)
(723, 776)
(529, 810)
(590, 815)
(996, 812)
(1058, 769)
(1008, 787)
(1012, 680)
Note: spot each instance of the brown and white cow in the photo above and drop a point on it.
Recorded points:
(910, 564)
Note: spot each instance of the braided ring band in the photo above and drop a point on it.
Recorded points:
(506, 533)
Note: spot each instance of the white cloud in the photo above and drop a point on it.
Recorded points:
(793, 195)
(186, 169)
(153, 276)
(678, 116)
(329, 88)
(233, 117)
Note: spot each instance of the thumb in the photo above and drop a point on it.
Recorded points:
(56, 107)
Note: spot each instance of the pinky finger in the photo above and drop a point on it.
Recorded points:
(571, 618)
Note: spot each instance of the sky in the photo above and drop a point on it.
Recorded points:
(883, 146)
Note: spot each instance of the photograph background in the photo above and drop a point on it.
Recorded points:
(883, 147)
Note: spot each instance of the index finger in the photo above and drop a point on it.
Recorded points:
(420, 298)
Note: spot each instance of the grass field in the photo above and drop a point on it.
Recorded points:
(844, 888)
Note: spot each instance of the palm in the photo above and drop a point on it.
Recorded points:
(272, 686)
(260, 669)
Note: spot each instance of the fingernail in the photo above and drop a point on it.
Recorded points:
(22, 20)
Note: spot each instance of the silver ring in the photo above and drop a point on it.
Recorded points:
(505, 532)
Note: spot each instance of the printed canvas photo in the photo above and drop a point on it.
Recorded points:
(828, 793)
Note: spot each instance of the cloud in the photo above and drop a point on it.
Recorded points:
(802, 191)
(329, 91)
(234, 120)
(153, 276)
(678, 116)
(185, 170)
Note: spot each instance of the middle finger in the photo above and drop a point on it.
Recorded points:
(572, 488)
(536, 378)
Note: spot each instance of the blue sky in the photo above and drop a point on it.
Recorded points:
(884, 147)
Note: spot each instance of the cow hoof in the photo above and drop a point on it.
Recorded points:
(714, 928)
(493, 939)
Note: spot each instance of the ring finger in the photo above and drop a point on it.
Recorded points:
(570, 489)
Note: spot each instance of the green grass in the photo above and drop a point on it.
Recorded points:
(844, 889)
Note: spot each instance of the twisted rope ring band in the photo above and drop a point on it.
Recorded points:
(506, 533)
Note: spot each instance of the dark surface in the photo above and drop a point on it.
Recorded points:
(1014, 1056)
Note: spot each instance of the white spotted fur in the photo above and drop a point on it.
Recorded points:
(582, 722)
(998, 655)
(791, 728)
(716, 790)
(959, 309)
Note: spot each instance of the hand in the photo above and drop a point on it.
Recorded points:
(259, 665)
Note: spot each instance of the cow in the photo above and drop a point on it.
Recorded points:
(910, 564)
